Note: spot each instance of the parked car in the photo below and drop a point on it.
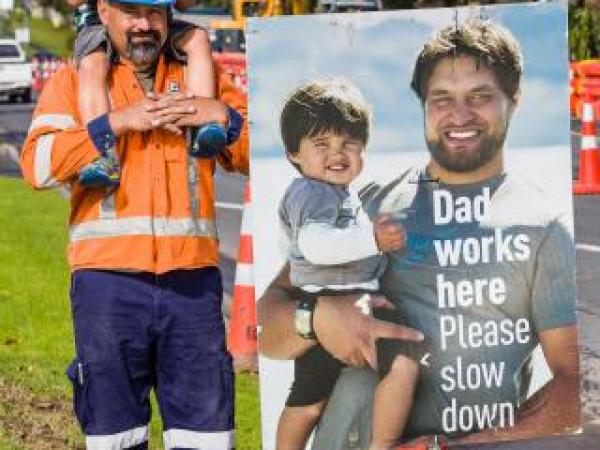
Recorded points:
(15, 72)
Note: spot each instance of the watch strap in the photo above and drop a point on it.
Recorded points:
(307, 307)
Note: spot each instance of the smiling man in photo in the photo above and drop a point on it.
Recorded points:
(487, 274)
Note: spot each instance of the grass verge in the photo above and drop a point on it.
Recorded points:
(36, 335)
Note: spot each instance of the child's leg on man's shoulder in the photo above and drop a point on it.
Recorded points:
(393, 402)
(91, 55)
(295, 425)
(92, 86)
(194, 42)
(92, 63)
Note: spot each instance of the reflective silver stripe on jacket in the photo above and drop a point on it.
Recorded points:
(107, 207)
(60, 121)
(42, 164)
(146, 226)
(193, 185)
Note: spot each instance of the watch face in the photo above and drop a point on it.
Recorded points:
(302, 323)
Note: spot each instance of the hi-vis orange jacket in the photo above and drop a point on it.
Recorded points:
(162, 216)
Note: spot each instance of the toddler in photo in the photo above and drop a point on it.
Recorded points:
(334, 249)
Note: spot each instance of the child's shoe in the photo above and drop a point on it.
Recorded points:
(103, 172)
(208, 140)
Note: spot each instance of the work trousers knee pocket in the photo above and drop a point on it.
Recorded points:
(78, 373)
(227, 392)
(110, 396)
(206, 379)
(228, 380)
(200, 395)
(198, 415)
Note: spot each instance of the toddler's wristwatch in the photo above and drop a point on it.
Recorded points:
(303, 317)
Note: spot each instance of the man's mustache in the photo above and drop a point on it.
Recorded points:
(151, 34)
(144, 51)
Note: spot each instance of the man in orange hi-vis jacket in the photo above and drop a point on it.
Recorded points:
(146, 291)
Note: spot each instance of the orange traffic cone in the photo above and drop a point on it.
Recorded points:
(589, 154)
(36, 74)
(45, 71)
(242, 328)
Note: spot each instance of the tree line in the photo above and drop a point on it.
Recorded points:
(584, 19)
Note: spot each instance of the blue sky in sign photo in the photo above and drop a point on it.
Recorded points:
(376, 51)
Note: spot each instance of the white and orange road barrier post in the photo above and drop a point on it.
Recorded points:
(242, 340)
(45, 71)
(36, 74)
(589, 154)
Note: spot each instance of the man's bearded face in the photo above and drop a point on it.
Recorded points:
(466, 115)
(137, 31)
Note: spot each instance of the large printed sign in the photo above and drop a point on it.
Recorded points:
(422, 156)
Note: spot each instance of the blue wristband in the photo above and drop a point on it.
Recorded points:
(234, 128)
(102, 134)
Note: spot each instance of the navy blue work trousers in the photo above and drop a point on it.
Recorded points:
(138, 331)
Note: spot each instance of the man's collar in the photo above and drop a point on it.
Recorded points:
(424, 178)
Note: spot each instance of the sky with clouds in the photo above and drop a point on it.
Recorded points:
(376, 51)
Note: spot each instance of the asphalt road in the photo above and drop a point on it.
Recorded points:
(14, 121)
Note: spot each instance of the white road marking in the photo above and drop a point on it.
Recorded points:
(227, 205)
(588, 248)
(11, 151)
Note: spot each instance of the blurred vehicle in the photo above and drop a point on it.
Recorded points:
(334, 6)
(228, 35)
(15, 72)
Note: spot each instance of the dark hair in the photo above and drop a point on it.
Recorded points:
(489, 44)
(324, 105)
